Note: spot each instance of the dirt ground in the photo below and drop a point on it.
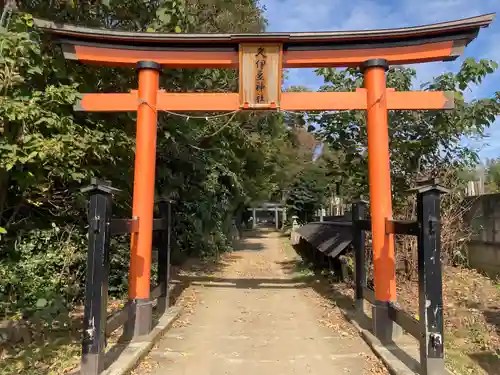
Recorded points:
(472, 319)
(255, 312)
(472, 314)
(53, 351)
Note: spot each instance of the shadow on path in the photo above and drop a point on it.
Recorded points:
(245, 283)
(341, 295)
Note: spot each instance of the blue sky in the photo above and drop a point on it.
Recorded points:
(330, 15)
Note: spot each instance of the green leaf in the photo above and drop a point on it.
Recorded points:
(178, 29)
(165, 18)
(41, 303)
(3, 230)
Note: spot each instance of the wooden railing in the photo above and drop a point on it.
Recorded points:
(102, 226)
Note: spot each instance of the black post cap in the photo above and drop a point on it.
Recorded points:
(428, 184)
(360, 200)
(99, 185)
(149, 65)
(375, 63)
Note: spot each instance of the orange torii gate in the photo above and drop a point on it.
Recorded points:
(260, 59)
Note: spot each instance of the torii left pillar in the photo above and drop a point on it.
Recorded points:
(141, 308)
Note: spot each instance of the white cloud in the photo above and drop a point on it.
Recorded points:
(492, 49)
(489, 147)
(294, 15)
(492, 147)
(433, 11)
(367, 15)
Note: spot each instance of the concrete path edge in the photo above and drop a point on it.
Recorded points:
(134, 352)
(391, 362)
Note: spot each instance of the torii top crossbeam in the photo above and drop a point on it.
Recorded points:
(438, 42)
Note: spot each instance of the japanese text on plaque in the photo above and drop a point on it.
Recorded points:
(260, 83)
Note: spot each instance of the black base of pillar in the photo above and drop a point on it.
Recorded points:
(162, 304)
(360, 306)
(383, 326)
(431, 366)
(140, 319)
(92, 364)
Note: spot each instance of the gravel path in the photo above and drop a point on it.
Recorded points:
(254, 317)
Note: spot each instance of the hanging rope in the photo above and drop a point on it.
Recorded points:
(188, 117)
(207, 118)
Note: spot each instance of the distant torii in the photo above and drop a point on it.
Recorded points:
(269, 206)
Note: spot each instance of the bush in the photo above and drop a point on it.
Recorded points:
(45, 266)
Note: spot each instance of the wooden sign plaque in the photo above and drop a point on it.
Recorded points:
(260, 75)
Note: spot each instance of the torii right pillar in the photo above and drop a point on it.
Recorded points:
(379, 172)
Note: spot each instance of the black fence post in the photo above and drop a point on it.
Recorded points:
(430, 279)
(358, 242)
(164, 256)
(96, 284)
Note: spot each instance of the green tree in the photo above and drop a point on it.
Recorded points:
(47, 152)
(308, 191)
(421, 142)
(493, 175)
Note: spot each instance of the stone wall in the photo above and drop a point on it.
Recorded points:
(484, 247)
